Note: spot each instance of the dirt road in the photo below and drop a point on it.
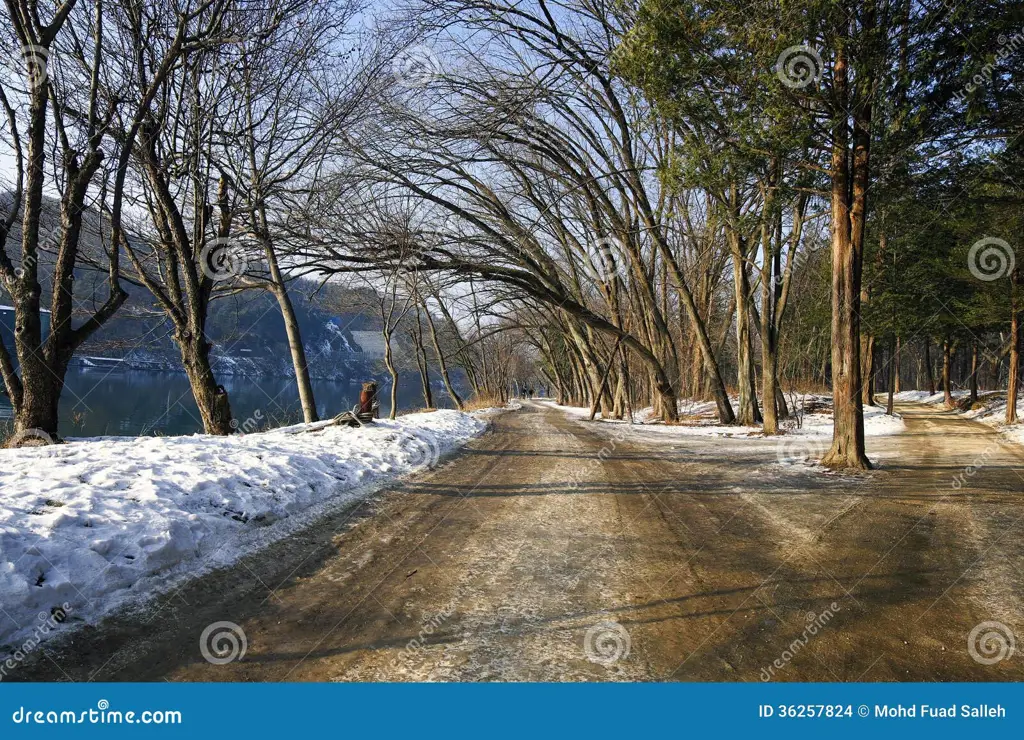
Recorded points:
(552, 550)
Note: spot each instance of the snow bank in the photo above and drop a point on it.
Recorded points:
(801, 445)
(96, 523)
(699, 419)
(990, 409)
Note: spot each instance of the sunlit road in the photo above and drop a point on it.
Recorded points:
(551, 551)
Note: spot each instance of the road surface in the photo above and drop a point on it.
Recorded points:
(553, 550)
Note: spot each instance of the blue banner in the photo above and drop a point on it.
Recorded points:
(509, 710)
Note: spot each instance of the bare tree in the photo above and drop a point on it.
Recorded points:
(80, 90)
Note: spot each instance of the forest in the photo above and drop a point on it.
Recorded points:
(630, 203)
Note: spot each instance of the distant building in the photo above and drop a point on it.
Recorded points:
(371, 342)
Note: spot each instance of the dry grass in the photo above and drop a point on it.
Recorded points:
(417, 411)
(482, 402)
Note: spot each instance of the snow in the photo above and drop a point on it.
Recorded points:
(101, 523)
(802, 444)
(990, 409)
(340, 334)
(699, 419)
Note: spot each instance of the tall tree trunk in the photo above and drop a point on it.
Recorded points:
(300, 365)
(390, 365)
(867, 345)
(1012, 381)
(974, 372)
(421, 360)
(848, 222)
(748, 413)
(443, 364)
(928, 365)
(898, 364)
(947, 390)
(893, 344)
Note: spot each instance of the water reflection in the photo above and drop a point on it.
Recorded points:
(132, 403)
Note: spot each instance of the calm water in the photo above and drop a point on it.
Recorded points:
(101, 402)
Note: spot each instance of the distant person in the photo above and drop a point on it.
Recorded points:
(531, 394)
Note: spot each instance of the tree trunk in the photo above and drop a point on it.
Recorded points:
(928, 365)
(211, 398)
(867, 345)
(1014, 370)
(749, 413)
(298, 354)
(36, 416)
(443, 364)
(897, 364)
(947, 390)
(291, 327)
(974, 372)
(892, 376)
(389, 363)
(421, 364)
(848, 222)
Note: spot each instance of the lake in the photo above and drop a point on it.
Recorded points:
(133, 403)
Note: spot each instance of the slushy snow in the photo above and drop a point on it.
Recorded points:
(98, 523)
